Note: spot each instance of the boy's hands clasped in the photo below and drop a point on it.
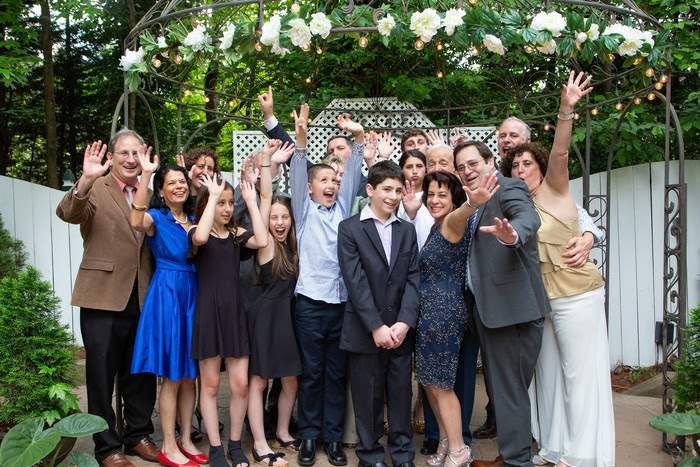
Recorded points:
(390, 337)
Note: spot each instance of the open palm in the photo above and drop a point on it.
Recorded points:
(575, 89)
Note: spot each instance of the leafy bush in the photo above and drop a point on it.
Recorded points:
(36, 352)
(12, 254)
(687, 381)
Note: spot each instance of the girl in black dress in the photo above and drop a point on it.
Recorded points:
(274, 352)
(221, 327)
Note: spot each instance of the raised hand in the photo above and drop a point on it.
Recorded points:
(267, 104)
(502, 230)
(92, 160)
(248, 192)
(458, 138)
(180, 161)
(144, 155)
(482, 193)
(370, 148)
(301, 120)
(283, 153)
(271, 146)
(215, 185)
(347, 124)
(385, 145)
(248, 170)
(434, 138)
(411, 203)
(575, 89)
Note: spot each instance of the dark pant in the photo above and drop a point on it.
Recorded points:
(108, 337)
(321, 403)
(465, 384)
(373, 377)
(511, 354)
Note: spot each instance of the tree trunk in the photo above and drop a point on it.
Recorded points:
(210, 82)
(5, 100)
(49, 98)
(132, 97)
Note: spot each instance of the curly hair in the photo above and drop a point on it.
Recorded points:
(446, 179)
(539, 154)
(157, 201)
(194, 154)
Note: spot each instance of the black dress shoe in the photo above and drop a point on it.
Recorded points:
(405, 464)
(429, 447)
(376, 464)
(335, 453)
(486, 431)
(307, 452)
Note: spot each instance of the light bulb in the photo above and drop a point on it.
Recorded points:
(547, 126)
(156, 62)
(529, 49)
(659, 86)
(306, 47)
(440, 74)
(637, 61)
(439, 45)
(206, 99)
(594, 111)
(308, 80)
(637, 100)
(576, 116)
(231, 103)
(178, 59)
(419, 44)
(664, 79)
(258, 46)
(472, 2)
(363, 41)
(188, 93)
(319, 50)
(651, 96)
(295, 8)
(611, 57)
(649, 72)
(619, 106)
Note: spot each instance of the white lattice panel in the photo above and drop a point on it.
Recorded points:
(381, 114)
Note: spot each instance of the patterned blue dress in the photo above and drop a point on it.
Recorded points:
(164, 333)
(443, 317)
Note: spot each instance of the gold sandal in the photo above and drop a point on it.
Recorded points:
(467, 462)
(438, 459)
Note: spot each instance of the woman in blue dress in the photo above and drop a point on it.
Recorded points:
(164, 333)
(443, 317)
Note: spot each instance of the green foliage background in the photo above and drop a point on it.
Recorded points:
(88, 41)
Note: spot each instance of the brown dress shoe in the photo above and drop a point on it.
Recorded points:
(116, 459)
(146, 449)
(497, 462)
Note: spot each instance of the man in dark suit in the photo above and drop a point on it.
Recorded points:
(507, 297)
(378, 256)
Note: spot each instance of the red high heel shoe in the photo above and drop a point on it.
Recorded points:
(200, 458)
(163, 460)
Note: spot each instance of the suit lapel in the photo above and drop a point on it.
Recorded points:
(371, 231)
(118, 197)
(396, 238)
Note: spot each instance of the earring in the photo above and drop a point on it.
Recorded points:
(162, 200)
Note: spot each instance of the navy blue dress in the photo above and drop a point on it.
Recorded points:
(164, 333)
(443, 317)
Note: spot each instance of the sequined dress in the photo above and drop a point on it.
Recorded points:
(443, 317)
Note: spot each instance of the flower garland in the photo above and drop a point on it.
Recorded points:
(548, 32)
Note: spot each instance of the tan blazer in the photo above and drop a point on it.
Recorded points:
(113, 252)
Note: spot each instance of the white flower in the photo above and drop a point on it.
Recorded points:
(227, 38)
(131, 58)
(385, 25)
(593, 32)
(320, 25)
(494, 44)
(425, 24)
(271, 31)
(277, 50)
(197, 39)
(581, 37)
(453, 19)
(548, 47)
(300, 34)
(634, 39)
(552, 22)
(161, 42)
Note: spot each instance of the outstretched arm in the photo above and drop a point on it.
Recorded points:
(273, 128)
(76, 207)
(139, 218)
(206, 221)
(557, 176)
(455, 224)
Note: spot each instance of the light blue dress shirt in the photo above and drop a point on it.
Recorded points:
(317, 228)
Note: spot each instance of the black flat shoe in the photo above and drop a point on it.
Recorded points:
(376, 464)
(429, 447)
(335, 453)
(405, 464)
(307, 452)
(293, 444)
(486, 431)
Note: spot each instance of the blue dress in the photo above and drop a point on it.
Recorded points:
(164, 333)
(443, 317)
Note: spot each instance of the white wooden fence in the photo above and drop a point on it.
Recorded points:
(636, 250)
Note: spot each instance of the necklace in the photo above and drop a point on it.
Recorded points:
(182, 222)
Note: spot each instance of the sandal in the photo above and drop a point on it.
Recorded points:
(458, 453)
(438, 459)
(235, 450)
(419, 426)
(291, 445)
(273, 459)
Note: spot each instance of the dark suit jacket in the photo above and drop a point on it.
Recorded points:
(506, 280)
(379, 292)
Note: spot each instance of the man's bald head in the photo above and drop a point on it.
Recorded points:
(511, 133)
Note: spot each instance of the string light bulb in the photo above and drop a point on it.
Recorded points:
(664, 79)
(188, 93)
(659, 86)
(547, 126)
(440, 74)
(363, 41)
(156, 62)
(651, 96)
(649, 72)
(306, 47)
(295, 8)
(637, 101)
(319, 50)
(258, 47)
(473, 2)
(594, 111)
(439, 45)
(637, 61)
(419, 44)
(231, 103)
(619, 106)
(308, 80)
(178, 59)
(529, 49)
(611, 57)
(576, 116)
(206, 99)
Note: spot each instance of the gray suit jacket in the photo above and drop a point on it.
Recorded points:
(506, 280)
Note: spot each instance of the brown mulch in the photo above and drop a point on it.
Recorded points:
(624, 377)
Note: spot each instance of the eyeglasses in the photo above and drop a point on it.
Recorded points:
(127, 153)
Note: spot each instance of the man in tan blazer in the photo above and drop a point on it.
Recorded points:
(110, 289)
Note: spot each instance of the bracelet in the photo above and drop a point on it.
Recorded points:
(136, 207)
(470, 204)
(268, 165)
(565, 117)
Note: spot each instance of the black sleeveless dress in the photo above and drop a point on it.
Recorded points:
(274, 351)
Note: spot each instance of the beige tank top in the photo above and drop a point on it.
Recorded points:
(559, 279)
